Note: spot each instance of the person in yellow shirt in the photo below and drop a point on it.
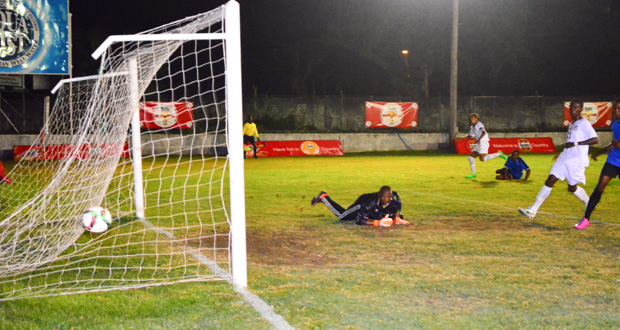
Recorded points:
(249, 133)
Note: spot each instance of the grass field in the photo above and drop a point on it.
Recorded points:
(469, 261)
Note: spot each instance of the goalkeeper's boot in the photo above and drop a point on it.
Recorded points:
(319, 198)
(471, 176)
(527, 212)
(399, 221)
(501, 154)
(582, 224)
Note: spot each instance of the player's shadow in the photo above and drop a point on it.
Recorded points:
(541, 226)
(488, 184)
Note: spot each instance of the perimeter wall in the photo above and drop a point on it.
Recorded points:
(343, 118)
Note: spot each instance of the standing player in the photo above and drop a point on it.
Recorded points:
(478, 132)
(374, 209)
(609, 171)
(249, 133)
(571, 163)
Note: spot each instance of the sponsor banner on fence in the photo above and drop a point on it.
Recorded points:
(507, 145)
(391, 114)
(64, 151)
(295, 148)
(598, 113)
(158, 115)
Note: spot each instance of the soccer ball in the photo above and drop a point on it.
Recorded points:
(96, 219)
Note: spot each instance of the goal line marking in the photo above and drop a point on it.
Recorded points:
(265, 310)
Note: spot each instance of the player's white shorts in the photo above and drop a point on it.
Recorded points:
(482, 147)
(572, 173)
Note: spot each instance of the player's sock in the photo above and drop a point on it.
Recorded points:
(540, 198)
(472, 163)
(582, 195)
(491, 156)
(592, 203)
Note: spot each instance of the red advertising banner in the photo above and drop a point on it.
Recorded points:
(391, 114)
(157, 115)
(295, 148)
(598, 113)
(507, 145)
(64, 151)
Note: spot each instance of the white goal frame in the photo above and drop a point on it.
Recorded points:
(234, 139)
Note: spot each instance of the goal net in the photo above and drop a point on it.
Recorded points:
(148, 139)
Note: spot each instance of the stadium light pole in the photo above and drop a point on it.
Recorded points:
(454, 69)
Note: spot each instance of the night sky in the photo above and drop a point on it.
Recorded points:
(301, 47)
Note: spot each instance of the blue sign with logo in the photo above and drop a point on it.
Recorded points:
(34, 37)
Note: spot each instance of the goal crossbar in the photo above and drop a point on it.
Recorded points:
(159, 37)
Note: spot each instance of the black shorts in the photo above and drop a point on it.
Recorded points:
(248, 139)
(501, 172)
(610, 170)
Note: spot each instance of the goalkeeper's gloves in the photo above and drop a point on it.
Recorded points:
(383, 222)
(399, 221)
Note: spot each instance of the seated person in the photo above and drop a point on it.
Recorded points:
(513, 169)
(374, 209)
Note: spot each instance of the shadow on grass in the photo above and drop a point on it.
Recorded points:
(541, 226)
(487, 184)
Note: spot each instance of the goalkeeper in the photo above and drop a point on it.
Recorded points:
(380, 208)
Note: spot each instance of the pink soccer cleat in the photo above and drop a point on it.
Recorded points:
(583, 224)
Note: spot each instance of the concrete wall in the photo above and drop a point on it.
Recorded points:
(364, 142)
(351, 142)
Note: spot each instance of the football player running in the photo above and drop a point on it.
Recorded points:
(570, 165)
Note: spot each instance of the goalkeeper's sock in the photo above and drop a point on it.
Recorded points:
(540, 198)
(472, 163)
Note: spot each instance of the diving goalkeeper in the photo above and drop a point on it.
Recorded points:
(380, 208)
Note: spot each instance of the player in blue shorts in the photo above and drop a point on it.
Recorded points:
(513, 169)
(609, 171)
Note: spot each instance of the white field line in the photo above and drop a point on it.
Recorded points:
(264, 309)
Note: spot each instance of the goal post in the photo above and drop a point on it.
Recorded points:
(143, 138)
(234, 101)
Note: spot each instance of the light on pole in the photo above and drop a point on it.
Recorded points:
(405, 53)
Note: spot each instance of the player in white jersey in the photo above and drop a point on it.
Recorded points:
(478, 132)
(571, 164)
